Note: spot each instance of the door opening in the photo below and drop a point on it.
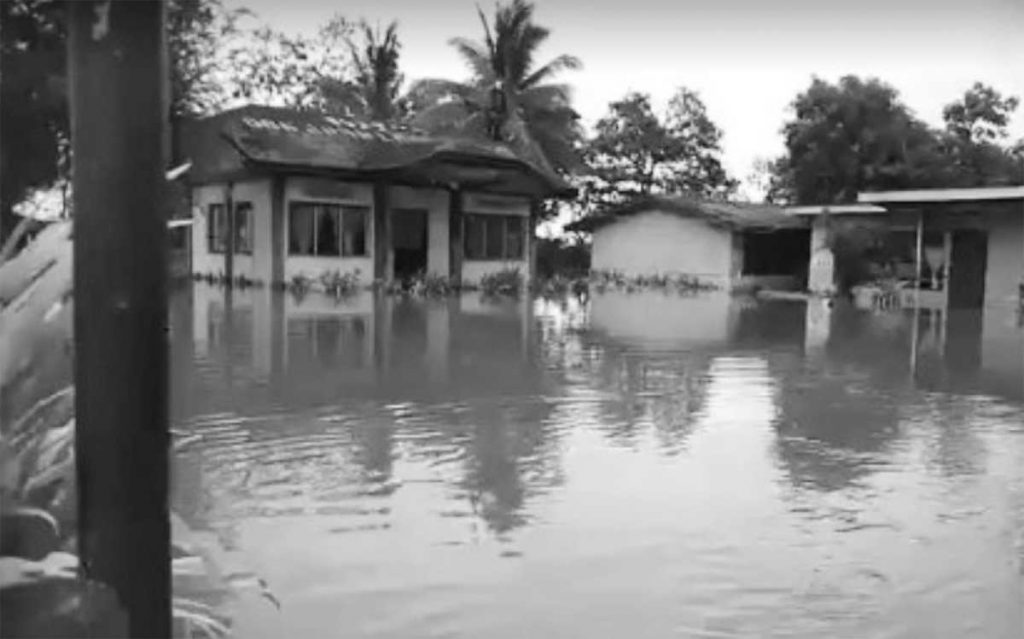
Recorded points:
(967, 266)
(408, 243)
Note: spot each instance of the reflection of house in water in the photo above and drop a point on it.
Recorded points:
(319, 349)
(658, 350)
(970, 349)
(456, 371)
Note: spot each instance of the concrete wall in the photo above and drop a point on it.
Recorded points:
(1005, 269)
(474, 270)
(333, 192)
(435, 201)
(297, 189)
(255, 266)
(660, 243)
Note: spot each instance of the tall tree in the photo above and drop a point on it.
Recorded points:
(33, 108)
(857, 136)
(507, 96)
(853, 136)
(634, 151)
(975, 135)
(269, 67)
(33, 94)
(980, 115)
(375, 90)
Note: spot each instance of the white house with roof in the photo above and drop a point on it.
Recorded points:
(280, 194)
(728, 244)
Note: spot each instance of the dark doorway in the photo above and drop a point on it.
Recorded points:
(409, 242)
(967, 269)
(781, 252)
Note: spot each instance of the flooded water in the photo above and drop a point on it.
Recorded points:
(640, 465)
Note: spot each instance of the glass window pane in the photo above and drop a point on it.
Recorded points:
(243, 227)
(514, 238)
(300, 229)
(474, 240)
(495, 237)
(354, 222)
(215, 228)
(327, 231)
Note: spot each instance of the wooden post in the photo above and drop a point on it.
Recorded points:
(381, 231)
(117, 62)
(229, 248)
(455, 223)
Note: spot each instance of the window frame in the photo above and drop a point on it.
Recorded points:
(487, 219)
(342, 210)
(217, 228)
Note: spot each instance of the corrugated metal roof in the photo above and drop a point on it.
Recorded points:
(305, 139)
(734, 215)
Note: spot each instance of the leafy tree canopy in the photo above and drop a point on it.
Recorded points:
(636, 151)
(856, 135)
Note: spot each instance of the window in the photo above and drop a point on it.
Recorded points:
(243, 228)
(494, 237)
(327, 230)
(217, 228)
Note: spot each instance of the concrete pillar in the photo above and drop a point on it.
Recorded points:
(821, 274)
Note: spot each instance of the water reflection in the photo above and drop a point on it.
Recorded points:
(692, 465)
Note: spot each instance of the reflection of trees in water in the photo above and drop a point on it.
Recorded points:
(879, 343)
(660, 390)
(831, 426)
(510, 453)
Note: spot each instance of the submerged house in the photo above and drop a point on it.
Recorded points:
(946, 248)
(731, 245)
(278, 194)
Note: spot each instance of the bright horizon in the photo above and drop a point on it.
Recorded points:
(747, 60)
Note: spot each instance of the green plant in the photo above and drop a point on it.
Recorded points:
(433, 285)
(504, 282)
(43, 593)
(299, 285)
(339, 284)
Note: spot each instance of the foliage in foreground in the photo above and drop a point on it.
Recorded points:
(41, 590)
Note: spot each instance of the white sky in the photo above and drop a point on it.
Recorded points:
(748, 59)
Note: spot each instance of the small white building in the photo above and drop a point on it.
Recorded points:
(731, 245)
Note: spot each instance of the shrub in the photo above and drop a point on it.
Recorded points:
(339, 284)
(504, 282)
(432, 285)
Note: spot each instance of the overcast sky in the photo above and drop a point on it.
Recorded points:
(747, 58)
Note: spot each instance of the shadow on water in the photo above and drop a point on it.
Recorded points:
(668, 439)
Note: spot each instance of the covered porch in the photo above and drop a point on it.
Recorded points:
(934, 249)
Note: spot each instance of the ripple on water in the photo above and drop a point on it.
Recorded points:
(727, 479)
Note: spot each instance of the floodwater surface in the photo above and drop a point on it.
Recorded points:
(637, 465)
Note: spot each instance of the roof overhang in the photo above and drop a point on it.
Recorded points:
(835, 209)
(923, 196)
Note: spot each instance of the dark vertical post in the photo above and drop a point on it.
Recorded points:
(455, 234)
(277, 226)
(536, 206)
(229, 245)
(117, 62)
(381, 230)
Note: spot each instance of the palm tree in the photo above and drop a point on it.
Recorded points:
(507, 97)
(375, 91)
